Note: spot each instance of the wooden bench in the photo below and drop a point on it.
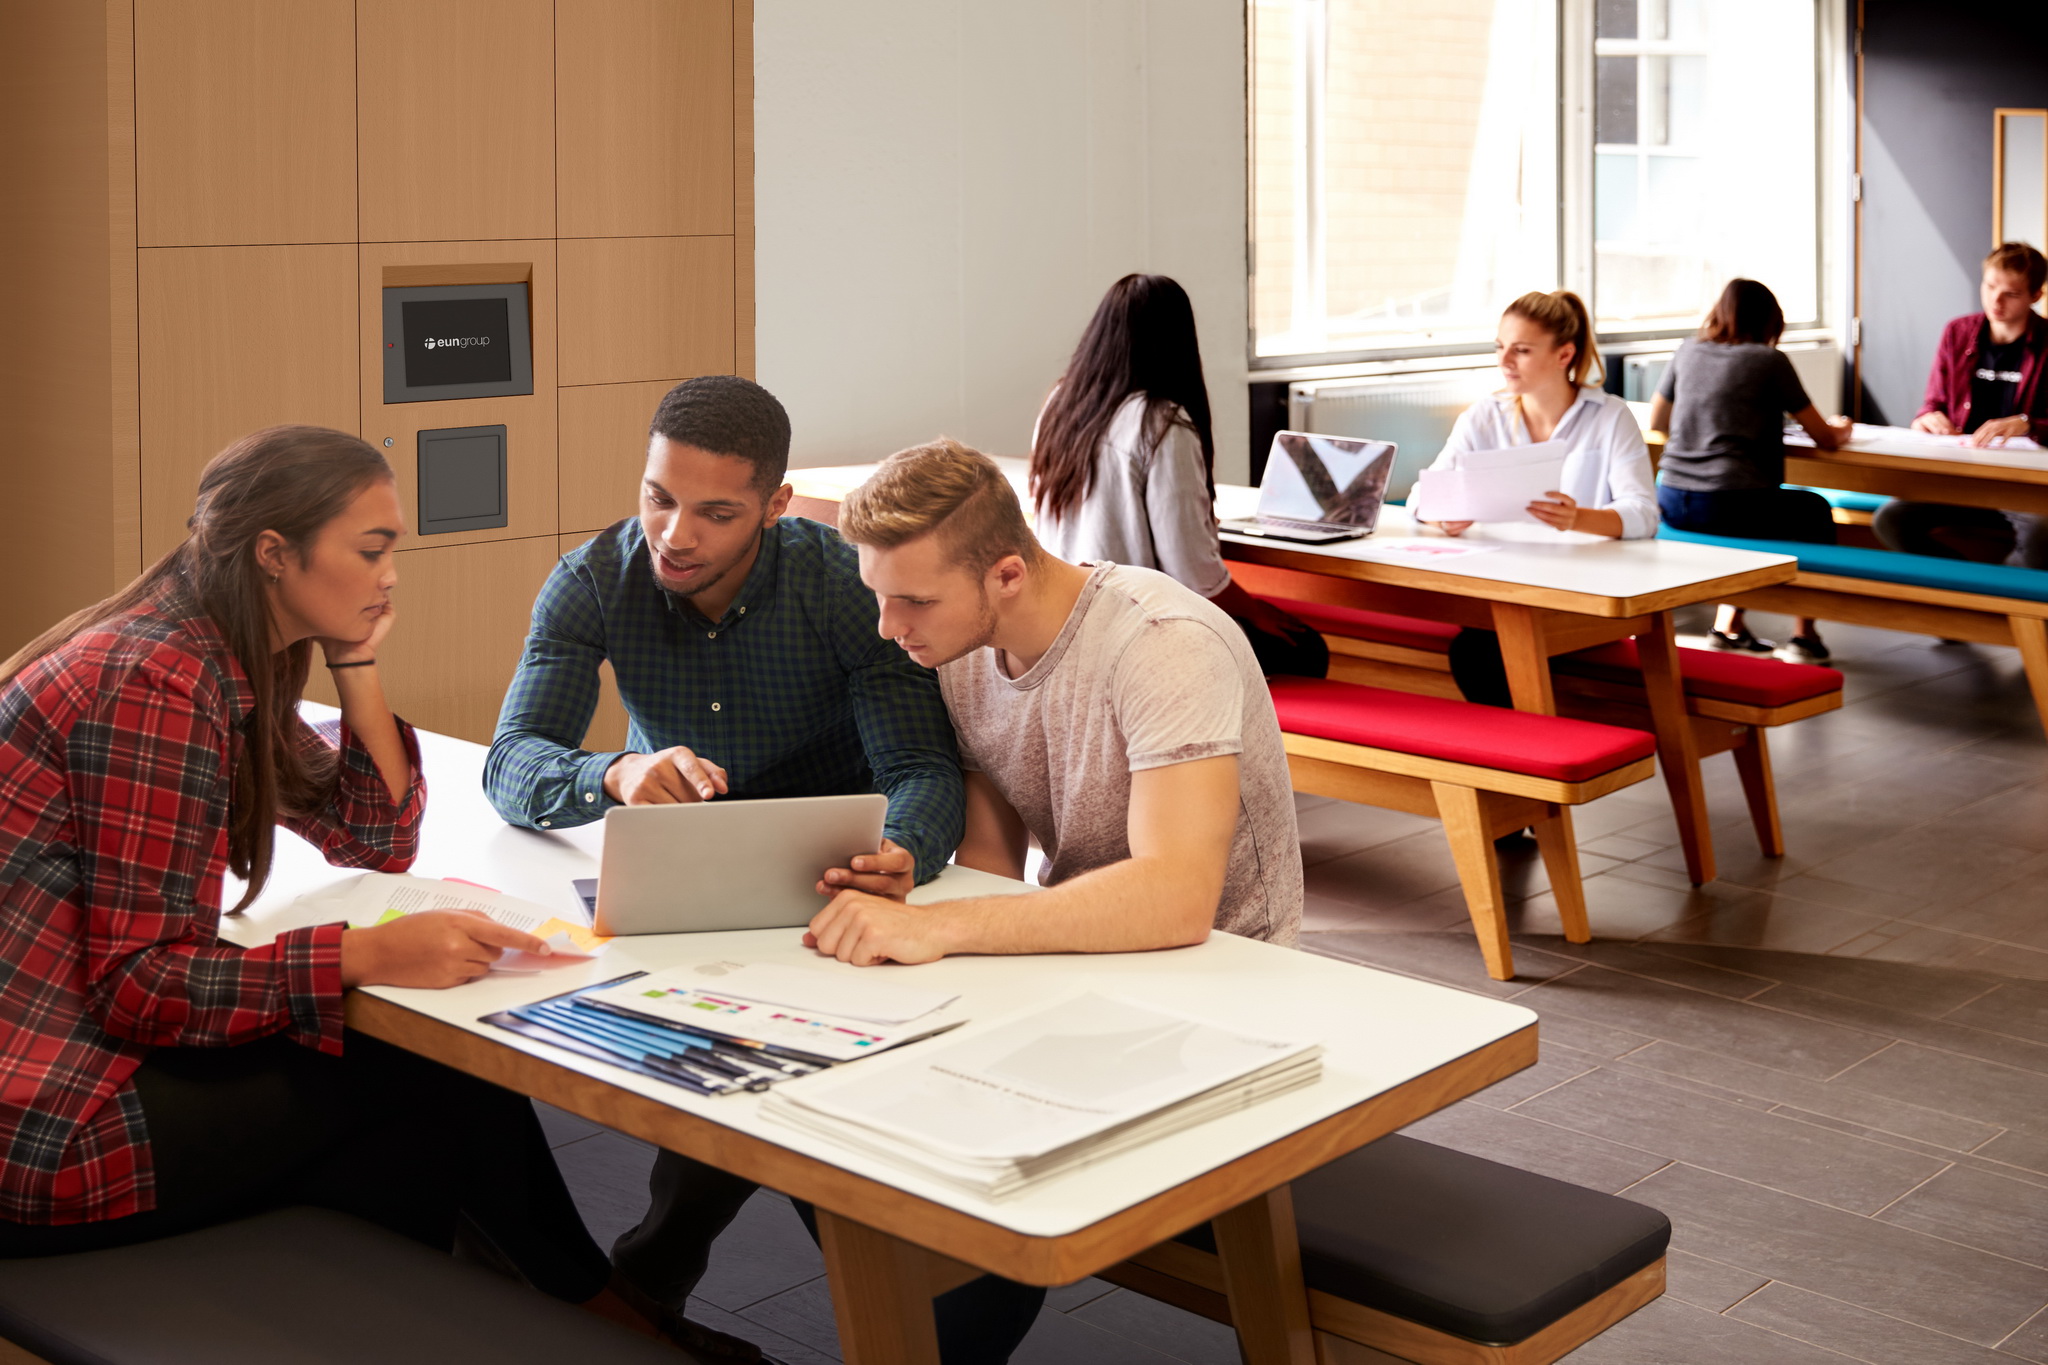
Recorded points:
(304, 1285)
(1731, 698)
(1953, 599)
(1421, 1253)
(1482, 770)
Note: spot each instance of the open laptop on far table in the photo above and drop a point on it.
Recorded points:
(714, 865)
(1317, 489)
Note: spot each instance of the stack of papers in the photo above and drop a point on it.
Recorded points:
(1046, 1092)
(1490, 485)
(811, 1013)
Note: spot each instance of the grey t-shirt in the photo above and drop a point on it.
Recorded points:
(1144, 674)
(1728, 406)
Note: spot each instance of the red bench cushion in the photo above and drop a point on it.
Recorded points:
(1741, 678)
(1379, 626)
(1456, 731)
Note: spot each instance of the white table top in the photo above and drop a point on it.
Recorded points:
(1905, 443)
(1531, 556)
(1378, 1030)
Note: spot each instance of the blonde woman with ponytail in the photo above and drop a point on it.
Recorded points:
(1551, 367)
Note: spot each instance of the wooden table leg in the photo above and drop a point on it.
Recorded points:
(2030, 634)
(1261, 1256)
(1677, 749)
(1523, 654)
(881, 1294)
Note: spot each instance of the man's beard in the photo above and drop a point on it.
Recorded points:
(984, 631)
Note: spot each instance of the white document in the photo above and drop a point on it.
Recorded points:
(1065, 1084)
(1490, 485)
(688, 997)
(2007, 443)
(379, 897)
(859, 993)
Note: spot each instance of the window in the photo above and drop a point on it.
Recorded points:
(1414, 167)
(1704, 157)
(1404, 169)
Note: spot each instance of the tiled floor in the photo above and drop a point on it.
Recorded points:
(1831, 1071)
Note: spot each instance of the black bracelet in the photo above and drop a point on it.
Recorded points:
(360, 663)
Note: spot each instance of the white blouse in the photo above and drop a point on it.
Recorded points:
(1151, 509)
(1606, 463)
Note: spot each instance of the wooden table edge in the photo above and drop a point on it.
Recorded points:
(1976, 471)
(949, 1232)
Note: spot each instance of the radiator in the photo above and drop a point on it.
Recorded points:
(1414, 411)
(1819, 365)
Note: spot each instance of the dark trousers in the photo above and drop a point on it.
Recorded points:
(1477, 669)
(690, 1203)
(1751, 513)
(1910, 528)
(379, 1133)
(1298, 653)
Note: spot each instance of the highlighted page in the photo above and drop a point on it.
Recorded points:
(381, 897)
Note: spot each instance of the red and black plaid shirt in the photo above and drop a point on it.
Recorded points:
(115, 756)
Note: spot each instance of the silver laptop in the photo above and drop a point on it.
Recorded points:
(1318, 489)
(727, 864)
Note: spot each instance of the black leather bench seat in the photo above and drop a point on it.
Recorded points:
(1462, 1244)
(299, 1286)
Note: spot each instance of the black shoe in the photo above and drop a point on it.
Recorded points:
(1803, 649)
(1739, 641)
(1521, 838)
(710, 1344)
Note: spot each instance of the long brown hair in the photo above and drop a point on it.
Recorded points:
(291, 480)
(1563, 314)
(1141, 340)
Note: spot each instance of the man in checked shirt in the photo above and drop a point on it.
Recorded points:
(745, 650)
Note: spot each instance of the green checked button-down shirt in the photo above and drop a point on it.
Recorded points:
(791, 691)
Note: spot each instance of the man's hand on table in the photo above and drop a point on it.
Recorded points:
(1934, 424)
(890, 873)
(669, 778)
(864, 930)
(2001, 429)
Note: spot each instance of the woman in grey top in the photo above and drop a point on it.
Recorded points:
(1123, 464)
(1723, 402)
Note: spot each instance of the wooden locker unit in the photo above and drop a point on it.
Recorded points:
(603, 450)
(207, 197)
(245, 122)
(235, 338)
(462, 617)
(455, 150)
(642, 84)
(530, 451)
(640, 308)
(67, 353)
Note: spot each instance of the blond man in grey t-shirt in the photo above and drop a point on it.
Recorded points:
(1106, 712)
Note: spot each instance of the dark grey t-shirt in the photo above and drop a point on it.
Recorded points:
(1728, 406)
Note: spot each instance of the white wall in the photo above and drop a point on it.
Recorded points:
(946, 187)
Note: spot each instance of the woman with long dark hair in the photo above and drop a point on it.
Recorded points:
(1723, 399)
(154, 1079)
(1123, 463)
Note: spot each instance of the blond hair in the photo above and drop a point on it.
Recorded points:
(1563, 314)
(946, 488)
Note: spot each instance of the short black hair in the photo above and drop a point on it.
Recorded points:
(728, 415)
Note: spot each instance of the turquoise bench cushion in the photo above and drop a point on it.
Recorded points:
(1845, 499)
(1886, 566)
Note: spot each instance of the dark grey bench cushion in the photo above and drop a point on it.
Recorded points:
(1462, 1244)
(296, 1287)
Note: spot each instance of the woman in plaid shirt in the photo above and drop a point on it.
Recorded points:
(154, 1079)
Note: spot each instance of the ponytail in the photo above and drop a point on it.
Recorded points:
(1563, 314)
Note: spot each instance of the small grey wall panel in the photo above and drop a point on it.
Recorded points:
(462, 479)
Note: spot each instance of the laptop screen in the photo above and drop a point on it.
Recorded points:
(1332, 479)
